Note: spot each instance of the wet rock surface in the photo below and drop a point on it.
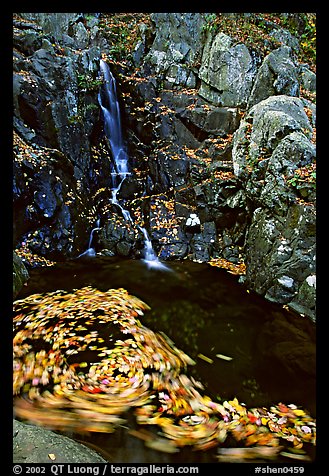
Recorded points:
(32, 444)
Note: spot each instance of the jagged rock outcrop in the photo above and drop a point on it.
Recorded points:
(273, 141)
(49, 204)
(264, 127)
(277, 75)
(176, 47)
(280, 257)
(227, 72)
(55, 93)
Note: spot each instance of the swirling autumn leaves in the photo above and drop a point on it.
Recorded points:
(82, 359)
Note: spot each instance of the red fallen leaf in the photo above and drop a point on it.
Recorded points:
(89, 389)
(283, 408)
(96, 390)
(252, 417)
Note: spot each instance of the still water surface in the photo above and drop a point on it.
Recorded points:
(204, 310)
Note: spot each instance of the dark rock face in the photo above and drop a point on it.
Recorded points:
(168, 169)
(44, 190)
(60, 121)
(280, 254)
(56, 115)
(211, 129)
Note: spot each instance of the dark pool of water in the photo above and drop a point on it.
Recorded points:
(204, 310)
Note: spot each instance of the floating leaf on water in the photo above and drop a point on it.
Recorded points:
(222, 434)
(205, 358)
(283, 408)
(197, 384)
(206, 445)
(224, 357)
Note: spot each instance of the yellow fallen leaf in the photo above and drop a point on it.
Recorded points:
(51, 456)
(205, 358)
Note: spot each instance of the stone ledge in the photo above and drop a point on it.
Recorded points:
(33, 444)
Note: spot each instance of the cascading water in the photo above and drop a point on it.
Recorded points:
(92, 233)
(90, 251)
(150, 258)
(107, 98)
(109, 104)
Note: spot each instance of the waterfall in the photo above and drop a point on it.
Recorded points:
(150, 258)
(90, 251)
(92, 233)
(108, 101)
